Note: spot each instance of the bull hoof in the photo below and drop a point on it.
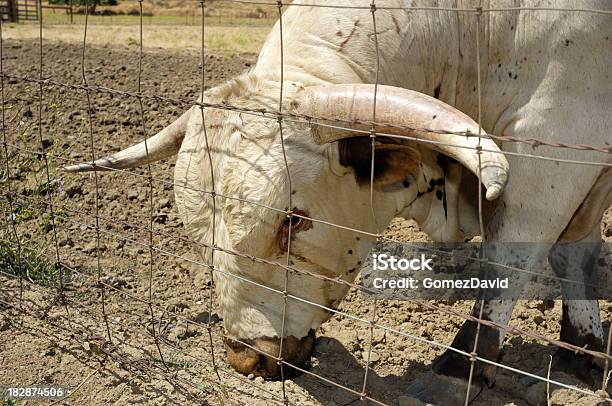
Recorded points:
(441, 390)
(259, 356)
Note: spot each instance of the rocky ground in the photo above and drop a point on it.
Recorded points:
(40, 343)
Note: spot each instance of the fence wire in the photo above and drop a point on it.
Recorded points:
(111, 345)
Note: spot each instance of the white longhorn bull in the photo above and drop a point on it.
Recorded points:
(544, 75)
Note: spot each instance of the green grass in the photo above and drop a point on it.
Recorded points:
(27, 262)
(175, 362)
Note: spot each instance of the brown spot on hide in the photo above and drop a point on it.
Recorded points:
(397, 27)
(348, 37)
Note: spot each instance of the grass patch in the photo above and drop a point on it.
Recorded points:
(174, 361)
(28, 263)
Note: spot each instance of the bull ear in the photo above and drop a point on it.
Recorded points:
(392, 162)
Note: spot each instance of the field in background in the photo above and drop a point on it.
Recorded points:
(227, 41)
(231, 28)
(193, 18)
(185, 7)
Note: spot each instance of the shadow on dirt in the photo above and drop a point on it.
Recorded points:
(336, 364)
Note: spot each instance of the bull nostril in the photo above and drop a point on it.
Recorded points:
(242, 358)
(266, 367)
(252, 358)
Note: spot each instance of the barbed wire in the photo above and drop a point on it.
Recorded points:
(150, 181)
(508, 328)
(265, 112)
(448, 310)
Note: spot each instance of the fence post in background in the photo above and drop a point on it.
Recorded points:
(12, 11)
(70, 9)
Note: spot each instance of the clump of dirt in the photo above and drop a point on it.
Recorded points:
(63, 339)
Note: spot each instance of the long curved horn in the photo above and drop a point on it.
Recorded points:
(418, 115)
(162, 145)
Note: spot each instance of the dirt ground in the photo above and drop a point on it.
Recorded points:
(41, 344)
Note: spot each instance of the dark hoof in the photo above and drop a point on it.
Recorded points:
(441, 390)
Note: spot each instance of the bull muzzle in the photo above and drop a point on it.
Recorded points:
(260, 356)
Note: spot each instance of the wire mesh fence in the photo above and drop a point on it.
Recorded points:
(35, 193)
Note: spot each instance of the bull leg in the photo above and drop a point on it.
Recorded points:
(454, 364)
(580, 324)
(452, 369)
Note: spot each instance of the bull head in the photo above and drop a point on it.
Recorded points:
(249, 314)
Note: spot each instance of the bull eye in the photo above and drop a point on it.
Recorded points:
(295, 221)
(290, 226)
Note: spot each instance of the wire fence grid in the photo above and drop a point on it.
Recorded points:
(110, 345)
